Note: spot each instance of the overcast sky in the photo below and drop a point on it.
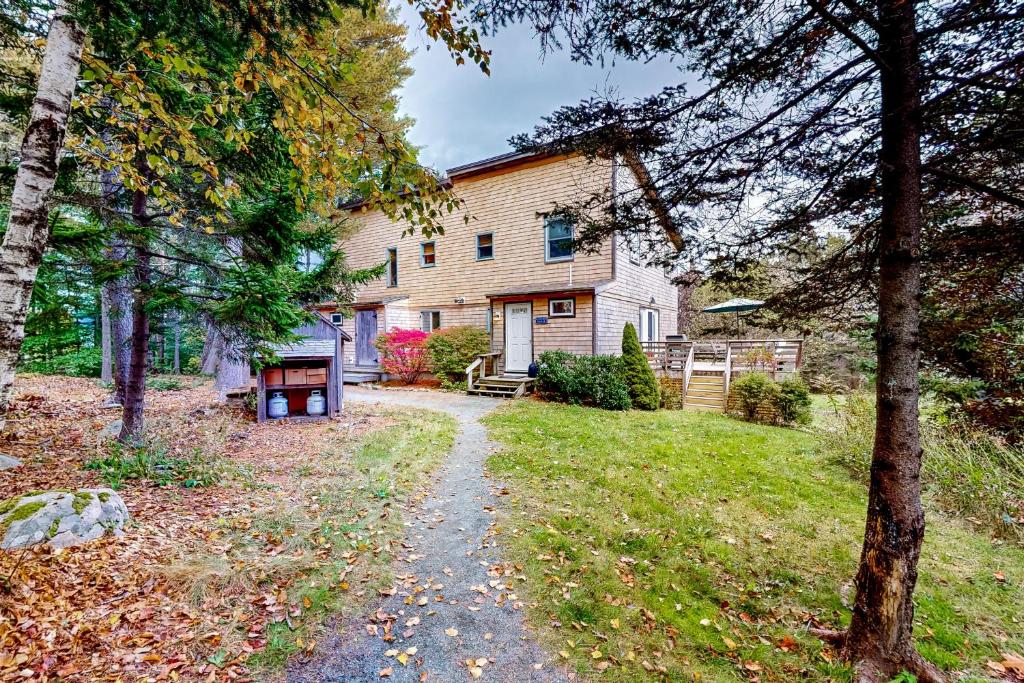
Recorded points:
(464, 116)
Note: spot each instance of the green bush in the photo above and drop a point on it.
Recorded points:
(151, 462)
(756, 394)
(583, 380)
(453, 349)
(79, 363)
(794, 402)
(636, 371)
(966, 471)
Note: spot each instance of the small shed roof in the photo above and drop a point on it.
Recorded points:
(309, 348)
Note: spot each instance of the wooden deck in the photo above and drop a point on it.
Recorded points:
(705, 368)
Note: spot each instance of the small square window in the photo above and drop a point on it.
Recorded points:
(485, 246)
(428, 255)
(430, 320)
(561, 308)
(557, 239)
(337, 318)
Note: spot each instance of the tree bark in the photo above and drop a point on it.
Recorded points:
(119, 293)
(210, 358)
(177, 343)
(879, 641)
(135, 389)
(28, 224)
(107, 364)
(233, 370)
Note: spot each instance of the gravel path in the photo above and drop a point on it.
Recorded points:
(453, 602)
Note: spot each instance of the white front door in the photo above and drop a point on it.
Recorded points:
(518, 336)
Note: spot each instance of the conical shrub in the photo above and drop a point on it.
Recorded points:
(643, 386)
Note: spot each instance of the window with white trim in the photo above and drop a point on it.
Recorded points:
(428, 254)
(633, 244)
(392, 266)
(557, 239)
(562, 308)
(649, 325)
(430, 320)
(485, 246)
(337, 318)
(309, 260)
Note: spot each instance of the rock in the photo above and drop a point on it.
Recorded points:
(7, 462)
(61, 518)
(110, 431)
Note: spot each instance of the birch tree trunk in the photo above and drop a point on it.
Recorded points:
(28, 225)
(210, 358)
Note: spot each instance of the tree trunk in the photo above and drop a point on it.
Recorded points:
(233, 371)
(119, 293)
(177, 343)
(879, 641)
(135, 387)
(107, 365)
(210, 358)
(28, 225)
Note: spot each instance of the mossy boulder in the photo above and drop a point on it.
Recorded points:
(60, 518)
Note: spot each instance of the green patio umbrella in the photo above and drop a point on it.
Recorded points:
(736, 306)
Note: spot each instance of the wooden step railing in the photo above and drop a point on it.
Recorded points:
(480, 365)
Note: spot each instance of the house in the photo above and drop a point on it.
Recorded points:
(511, 269)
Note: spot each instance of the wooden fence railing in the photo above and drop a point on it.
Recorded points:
(773, 356)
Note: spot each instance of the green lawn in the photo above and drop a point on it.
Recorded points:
(696, 547)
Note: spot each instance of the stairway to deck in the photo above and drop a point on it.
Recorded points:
(502, 386)
(357, 374)
(706, 393)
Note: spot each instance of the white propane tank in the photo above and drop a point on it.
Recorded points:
(277, 406)
(316, 404)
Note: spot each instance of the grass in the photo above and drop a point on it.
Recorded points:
(324, 548)
(690, 546)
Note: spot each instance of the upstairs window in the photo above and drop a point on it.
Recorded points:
(557, 239)
(485, 246)
(392, 266)
(428, 255)
(633, 242)
(309, 260)
(337, 318)
(430, 320)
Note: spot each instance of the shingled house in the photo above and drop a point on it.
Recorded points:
(511, 269)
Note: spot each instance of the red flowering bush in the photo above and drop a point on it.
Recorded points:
(404, 353)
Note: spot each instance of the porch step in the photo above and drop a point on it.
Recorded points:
(501, 387)
(358, 375)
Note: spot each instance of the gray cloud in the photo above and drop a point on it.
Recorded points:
(463, 116)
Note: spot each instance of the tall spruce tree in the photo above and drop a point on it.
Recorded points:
(811, 117)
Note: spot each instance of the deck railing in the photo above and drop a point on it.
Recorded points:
(732, 356)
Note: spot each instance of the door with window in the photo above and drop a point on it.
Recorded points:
(518, 336)
(649, 325)
(366, 335)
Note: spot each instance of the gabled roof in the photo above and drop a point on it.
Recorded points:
(497, 162)
(309, 348)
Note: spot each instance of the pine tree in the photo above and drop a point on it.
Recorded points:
(643, 385)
